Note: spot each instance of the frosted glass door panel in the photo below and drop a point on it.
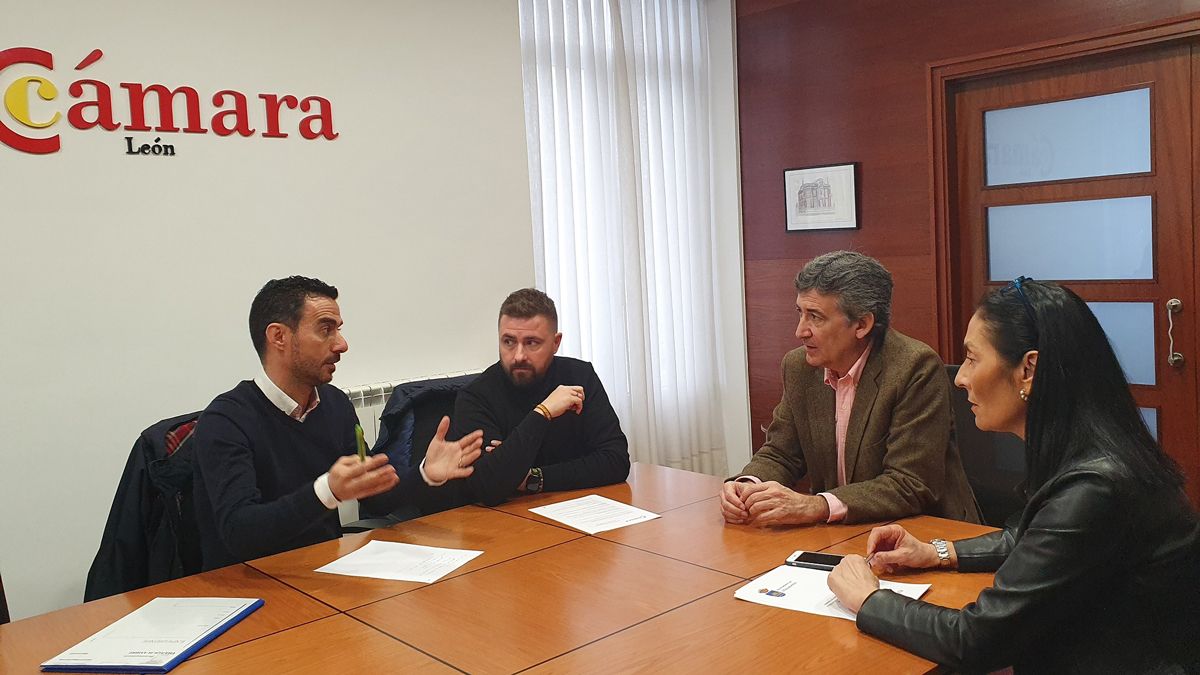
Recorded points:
(1072, 241)
(1094, 136)
(1130, 329)
(1150, 415)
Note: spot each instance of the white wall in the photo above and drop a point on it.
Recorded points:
(129, 278)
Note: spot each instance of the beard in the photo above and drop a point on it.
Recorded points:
(524, 377)
(310, 371)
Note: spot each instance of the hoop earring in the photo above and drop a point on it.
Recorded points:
(1023, 395)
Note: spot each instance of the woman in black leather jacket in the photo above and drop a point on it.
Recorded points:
(1101, 571)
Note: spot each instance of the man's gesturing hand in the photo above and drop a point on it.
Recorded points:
(352, 478)
(448, 460)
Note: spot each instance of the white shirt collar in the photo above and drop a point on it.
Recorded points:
(281, 400)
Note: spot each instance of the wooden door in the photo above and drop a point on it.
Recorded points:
(1166, 391)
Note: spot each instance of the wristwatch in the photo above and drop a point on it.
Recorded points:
(943, 551)
(533, 484)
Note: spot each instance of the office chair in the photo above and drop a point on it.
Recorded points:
(994, 462)
(407, 425)
(151, 534)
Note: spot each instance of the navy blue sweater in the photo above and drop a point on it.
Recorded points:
(573, 451)
(254, 471)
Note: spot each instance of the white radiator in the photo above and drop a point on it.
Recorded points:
(370, 399)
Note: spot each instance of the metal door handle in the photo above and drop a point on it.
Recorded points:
(1174, 358)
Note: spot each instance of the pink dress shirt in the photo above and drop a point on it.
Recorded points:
(844, 389)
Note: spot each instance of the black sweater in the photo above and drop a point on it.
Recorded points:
(573, 451)
(254, 471)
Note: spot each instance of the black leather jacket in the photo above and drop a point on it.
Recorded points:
(1097, 575)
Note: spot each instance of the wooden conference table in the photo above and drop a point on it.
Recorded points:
(543, 598)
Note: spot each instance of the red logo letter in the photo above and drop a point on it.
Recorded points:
(36, 146)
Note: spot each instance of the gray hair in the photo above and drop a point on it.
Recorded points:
(860, 284)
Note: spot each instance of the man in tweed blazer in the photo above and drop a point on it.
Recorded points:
(865, 414)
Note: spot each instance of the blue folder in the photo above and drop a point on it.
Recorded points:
(180, 658)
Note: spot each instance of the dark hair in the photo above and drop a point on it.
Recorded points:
(1080, 401)
(282, 301)
(859, 283)
(528, 303)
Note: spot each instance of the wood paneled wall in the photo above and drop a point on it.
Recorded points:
(836, 81)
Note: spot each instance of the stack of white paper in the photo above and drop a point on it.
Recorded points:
(594, 513)
(400, 562)
(807, 590)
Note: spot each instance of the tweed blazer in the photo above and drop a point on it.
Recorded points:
(901, 458)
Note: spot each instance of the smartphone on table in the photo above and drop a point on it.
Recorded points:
(816, 561)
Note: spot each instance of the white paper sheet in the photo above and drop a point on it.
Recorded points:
(593, 513)
(400, 562)
(154, 634)
(807, 590)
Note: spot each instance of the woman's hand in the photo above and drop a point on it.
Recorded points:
(852, 581)
(891, 546)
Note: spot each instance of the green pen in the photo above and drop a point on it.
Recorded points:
(362, 445)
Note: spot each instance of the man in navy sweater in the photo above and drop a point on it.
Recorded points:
(277, 454)
(522, 403)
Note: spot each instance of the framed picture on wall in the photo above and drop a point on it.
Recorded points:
(821, 197)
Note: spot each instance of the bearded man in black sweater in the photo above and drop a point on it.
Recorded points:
(277, 454)
(546, 419)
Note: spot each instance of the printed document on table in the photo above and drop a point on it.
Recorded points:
(400, 562)
(807, 590)
(156, 636)
(594, 513)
